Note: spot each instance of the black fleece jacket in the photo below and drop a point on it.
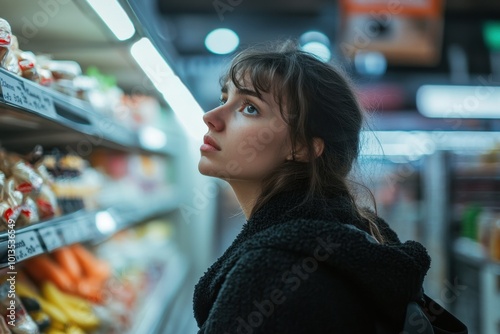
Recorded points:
(309, 268)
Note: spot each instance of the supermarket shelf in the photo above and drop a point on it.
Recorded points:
(158, 302)
(82, 226)
(33, 102)
(473, 254)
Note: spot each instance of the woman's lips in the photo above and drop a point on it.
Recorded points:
(209, 144)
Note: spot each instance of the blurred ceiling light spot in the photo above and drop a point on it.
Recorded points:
(441, 101)
(318, 49)
(314, 36)
(222, 41)
(317, 43)
(105, 222)
(115, 17)
(152, 138)
(370, 63)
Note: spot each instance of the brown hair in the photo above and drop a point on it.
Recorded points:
(315, 100)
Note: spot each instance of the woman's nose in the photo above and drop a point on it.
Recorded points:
(213, 119)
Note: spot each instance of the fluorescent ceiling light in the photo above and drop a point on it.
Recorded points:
(115, 17)
(412, 145)
(222, 41)
(179, 98)
(151, 62)
(318, 49)
(441, 101)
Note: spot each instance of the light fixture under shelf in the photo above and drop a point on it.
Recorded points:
(115, 17)
(454, 101)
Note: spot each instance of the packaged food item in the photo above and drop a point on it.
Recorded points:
(28, 180)
(29, 213)
(11, 62)
(2, 184)
(46, 203)
(3, 327)
(63, 69)
(5, 40)
(46, 77)
(11, 308)
(10, 208)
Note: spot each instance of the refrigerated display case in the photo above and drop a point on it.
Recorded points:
(148, 170)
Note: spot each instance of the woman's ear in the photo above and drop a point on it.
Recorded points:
(301, 153)
(319, 146)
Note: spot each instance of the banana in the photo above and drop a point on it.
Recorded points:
(72, 329)
(53, 311)
(53, 330)
(85, 318)
(24, 290)
(77, 303)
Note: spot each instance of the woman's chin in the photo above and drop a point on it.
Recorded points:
(204, 168)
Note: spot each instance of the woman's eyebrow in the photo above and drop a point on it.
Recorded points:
(244, 91)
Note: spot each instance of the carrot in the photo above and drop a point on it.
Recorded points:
(92, 266)
(43, 268)
(68, 261)
(91, 289)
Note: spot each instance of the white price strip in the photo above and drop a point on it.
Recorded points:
(87, 230)
(50, 238)
(27, 245)
(26, 95)
(71, 233)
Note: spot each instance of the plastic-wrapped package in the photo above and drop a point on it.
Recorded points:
(46, 203)
(63, 69)
(28, 180)
(28, 66)
(3, 327)
(2, 184)
(8, 44)
(13, 310)
(10, 208)
(29, 213)
(5, 40)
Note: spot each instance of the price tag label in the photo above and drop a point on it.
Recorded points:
(27, 245)
(87, 229)
(71, 233)
(26, 95)
(50, 238)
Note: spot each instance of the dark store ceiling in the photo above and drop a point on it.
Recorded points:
(461, 50)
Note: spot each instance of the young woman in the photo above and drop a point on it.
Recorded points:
(308, 259)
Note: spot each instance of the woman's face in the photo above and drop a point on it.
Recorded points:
(247, 137)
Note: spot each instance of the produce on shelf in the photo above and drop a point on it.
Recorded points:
(138, 257)
(66, 313)
(78, 311)
(73, 269)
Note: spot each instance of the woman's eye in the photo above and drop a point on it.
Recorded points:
(222, 101)
(250, 109)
